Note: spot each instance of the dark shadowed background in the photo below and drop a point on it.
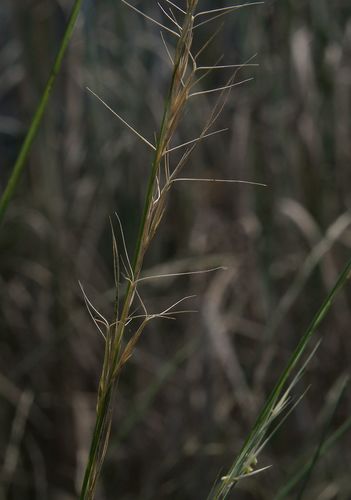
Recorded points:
(191, 391)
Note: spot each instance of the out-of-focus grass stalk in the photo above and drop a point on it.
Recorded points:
(38, 115)
(340, 432)
(328, 418)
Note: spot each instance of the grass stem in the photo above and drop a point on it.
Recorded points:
(38, 115)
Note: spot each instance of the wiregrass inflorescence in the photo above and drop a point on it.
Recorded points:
(185, 76)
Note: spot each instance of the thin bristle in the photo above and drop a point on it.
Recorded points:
(122, 120)
(150, 19)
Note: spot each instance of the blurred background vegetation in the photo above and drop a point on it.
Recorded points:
(187, 399)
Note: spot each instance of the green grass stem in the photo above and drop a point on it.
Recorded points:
(38, 115)
(260, 429)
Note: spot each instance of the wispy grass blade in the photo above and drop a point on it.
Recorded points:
(38, 115)
(260, 429)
